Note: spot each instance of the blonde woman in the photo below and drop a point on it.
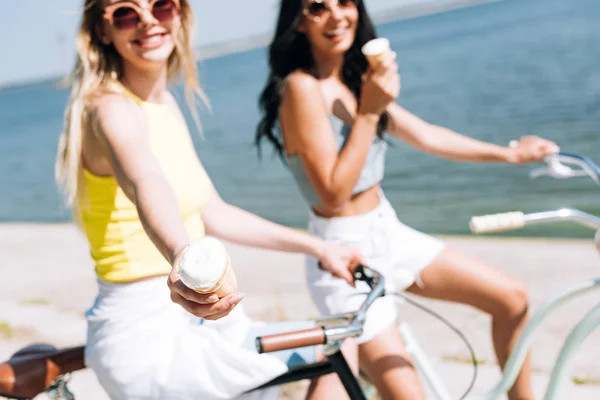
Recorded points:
(140, 194)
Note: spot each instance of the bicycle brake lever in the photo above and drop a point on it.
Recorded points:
(365, 274)
(555, 169)
(360, 274)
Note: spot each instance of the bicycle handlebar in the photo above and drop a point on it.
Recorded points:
(516, 220)
(323, 334)
(556, 167)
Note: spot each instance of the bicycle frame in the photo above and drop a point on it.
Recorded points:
(588, 324)
(335, 363)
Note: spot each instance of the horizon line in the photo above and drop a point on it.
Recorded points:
(262, 40)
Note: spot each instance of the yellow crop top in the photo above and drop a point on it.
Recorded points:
(119, 246)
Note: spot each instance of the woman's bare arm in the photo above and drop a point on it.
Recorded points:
(446, 143)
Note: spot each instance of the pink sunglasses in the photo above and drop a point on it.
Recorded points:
(317, 9)
(128, 14)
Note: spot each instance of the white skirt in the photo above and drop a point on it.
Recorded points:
(144, 347)
(397, 251)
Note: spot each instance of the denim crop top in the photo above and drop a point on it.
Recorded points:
(371, 174)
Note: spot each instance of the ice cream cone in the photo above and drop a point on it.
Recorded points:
(225, 285)
(375, 50)
(205, 267)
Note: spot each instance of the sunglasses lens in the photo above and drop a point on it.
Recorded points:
(125, 18)
(163, 10)
(316, 9)
(346, 3)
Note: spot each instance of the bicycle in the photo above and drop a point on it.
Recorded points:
(557, 167)
(42, 368)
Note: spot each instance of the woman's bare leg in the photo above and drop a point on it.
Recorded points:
(385, 362)
(389, 367)
(456, 277)
(329, 386)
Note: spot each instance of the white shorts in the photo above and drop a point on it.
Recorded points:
(144, 347)
(394, 249)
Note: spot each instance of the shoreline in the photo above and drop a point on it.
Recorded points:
(25, 225)
(422, 10)
(401, 13)
(409, 11)
(262, 40)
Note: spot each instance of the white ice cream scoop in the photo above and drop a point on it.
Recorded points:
(204, 266)
(375, 50)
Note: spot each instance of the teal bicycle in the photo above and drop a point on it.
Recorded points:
(559, 167)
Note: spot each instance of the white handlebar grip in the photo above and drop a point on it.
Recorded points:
(497, 222)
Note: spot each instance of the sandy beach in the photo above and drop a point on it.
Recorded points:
(48, 283)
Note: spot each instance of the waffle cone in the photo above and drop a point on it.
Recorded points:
(375, 59)
(226, 284)
(377, 55)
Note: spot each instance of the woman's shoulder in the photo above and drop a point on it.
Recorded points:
(300, 89)
(300, 81)
(114, 111)
(113, 101)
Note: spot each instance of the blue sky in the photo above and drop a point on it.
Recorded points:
(37, 36)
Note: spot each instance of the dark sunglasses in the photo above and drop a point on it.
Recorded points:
(317, 9)
(128, 14)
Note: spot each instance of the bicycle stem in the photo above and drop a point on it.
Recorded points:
(355, 328)
(329, 330)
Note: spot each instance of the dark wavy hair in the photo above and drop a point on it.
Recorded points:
(290, 51)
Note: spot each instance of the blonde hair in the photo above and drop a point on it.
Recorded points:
(96, 71)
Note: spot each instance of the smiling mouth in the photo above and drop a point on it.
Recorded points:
(150, 40)
(336, 33)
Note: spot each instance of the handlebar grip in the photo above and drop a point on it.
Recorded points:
(497, 222)
(289, 340)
